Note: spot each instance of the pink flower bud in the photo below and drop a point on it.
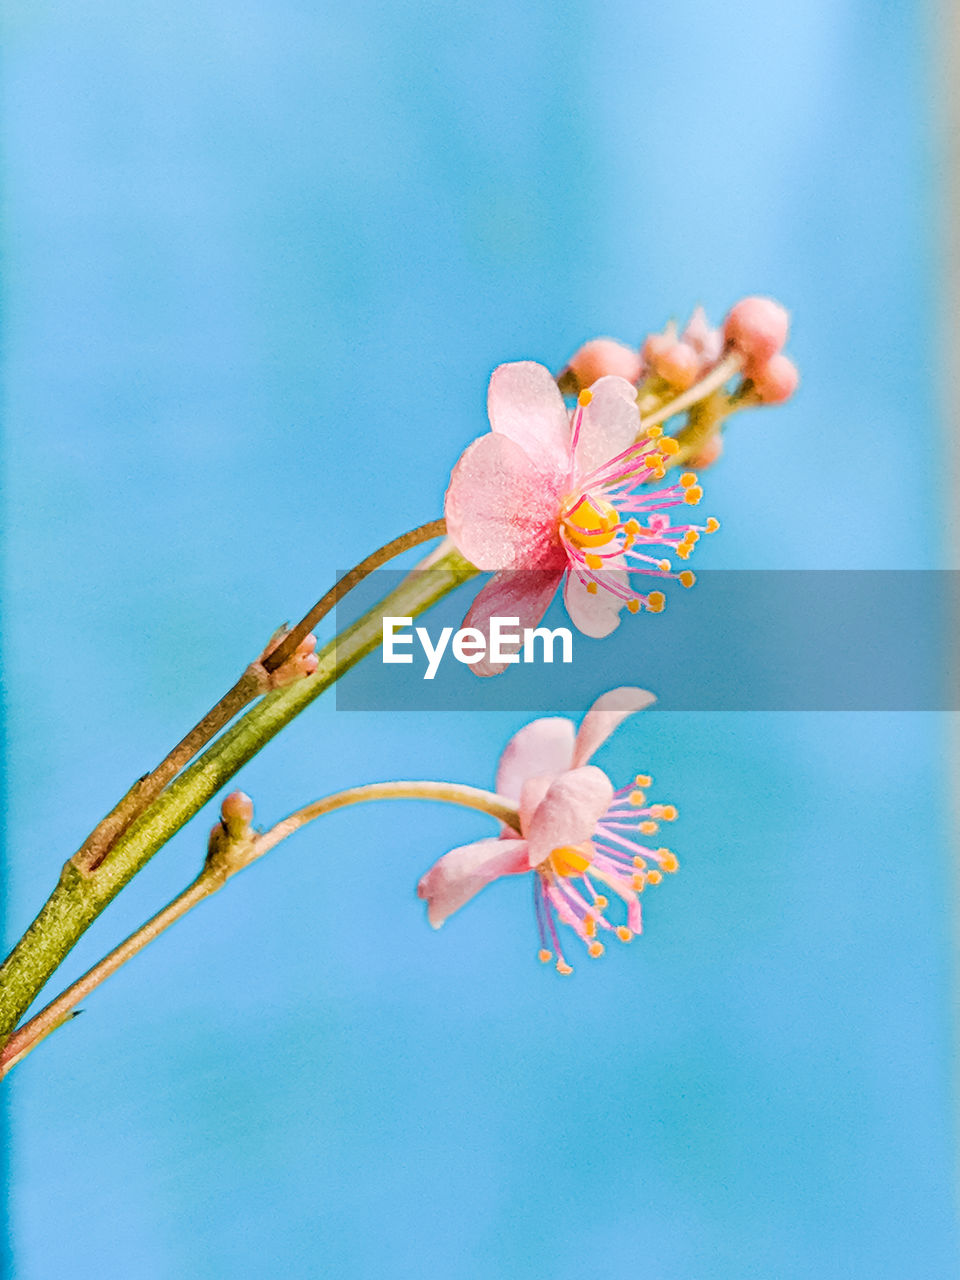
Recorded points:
(602, 356)
(679, 365)
(236, 813)
(757, 328)
(775, 380)
(710, 452)
(657, 345)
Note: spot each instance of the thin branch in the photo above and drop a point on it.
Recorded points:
(77, 900)
(275, 659)
(215, 874)
(254, 681)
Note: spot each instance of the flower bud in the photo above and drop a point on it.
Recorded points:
(775, 380)
(236, 813)
(757, 328)
(602, 356)
(678, 364)
(709, 452)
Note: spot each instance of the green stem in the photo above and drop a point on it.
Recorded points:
(77, 900)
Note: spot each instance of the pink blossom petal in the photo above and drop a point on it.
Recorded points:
(463, 872)
(706, 341)
(611, 422)
(569, 812)
(525, 404)
(521, 594)
(540, 747)
(609, 710)
(500, 511)
(531, 794)
(595, 615)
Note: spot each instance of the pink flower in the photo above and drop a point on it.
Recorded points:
(550, 496)
(576, 832)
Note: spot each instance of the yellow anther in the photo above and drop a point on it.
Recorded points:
(668, 813)
(569, 860)
(623, 933)
(688, 478)
(591, 522)
(683, 551)
(639, 863)
(663, 566)
(691, 536)
(687, 578)
(693, 495)
(593, 561)
(600, 902)
(643, 780)
(668, 860)
(654, 877)
(584, 398)
(668, 445)
(655, 601)
(713, 524)
(638, 799)
(648, 828)
(590, 927)
(658, 473)
(633, 606)
(654, 460)
(632, 526)
(595, 949)
(637, 883)
(592, 588)
(544, 956)
(563, 968)
(654, 433)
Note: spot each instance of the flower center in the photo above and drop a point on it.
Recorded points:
(591, 522)
(571, 859)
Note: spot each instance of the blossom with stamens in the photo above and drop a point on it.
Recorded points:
(551, 496)
(582, 840)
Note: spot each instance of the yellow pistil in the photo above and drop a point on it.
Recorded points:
(592, 522)
(570, 859)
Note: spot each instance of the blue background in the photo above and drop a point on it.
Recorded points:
(260, 261)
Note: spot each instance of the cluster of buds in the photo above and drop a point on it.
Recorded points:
(747, 347)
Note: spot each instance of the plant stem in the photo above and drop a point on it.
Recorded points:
(423, 533)
(215, 875)
(253, 682)
(77, 900)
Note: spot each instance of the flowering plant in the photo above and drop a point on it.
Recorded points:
(574, 495)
